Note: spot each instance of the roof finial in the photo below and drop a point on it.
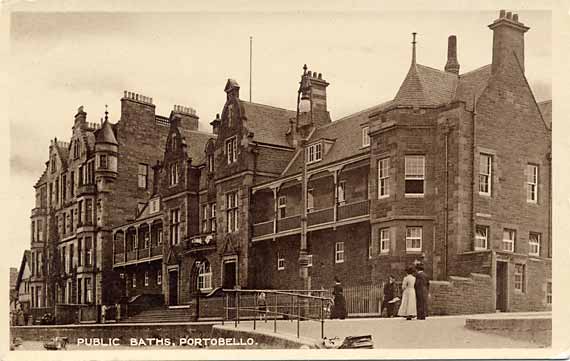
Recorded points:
(414, 48)
(106, 113)
(304, 69)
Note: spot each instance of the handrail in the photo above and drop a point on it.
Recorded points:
(298, 305)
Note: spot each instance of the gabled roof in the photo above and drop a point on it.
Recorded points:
(196, 144)
(546, 110)
(42, 180)
(472, 84)
(25, 260)
(346, 134)
(425, 86)
(269, 124)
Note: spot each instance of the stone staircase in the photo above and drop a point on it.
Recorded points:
(161, 315)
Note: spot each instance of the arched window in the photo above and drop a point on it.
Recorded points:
(204, 276)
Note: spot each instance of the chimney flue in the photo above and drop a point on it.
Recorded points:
(452, 65)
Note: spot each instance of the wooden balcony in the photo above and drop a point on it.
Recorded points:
(137, 255)
(288, 223)
(355, 210)
(263, 228)
(352, 210)
(320, 216)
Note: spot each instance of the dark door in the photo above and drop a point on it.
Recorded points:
(173, 288)
(502, 286)
(229, 275)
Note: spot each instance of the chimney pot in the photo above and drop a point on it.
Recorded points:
(509, 15)
(502, 14)
(516, 17)
(320, 75)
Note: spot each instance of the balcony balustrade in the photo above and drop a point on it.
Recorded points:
(288, 223)
(262, 229)
(354, 209)
(141, 254)
(320, 216)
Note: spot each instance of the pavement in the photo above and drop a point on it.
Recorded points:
(434, 332)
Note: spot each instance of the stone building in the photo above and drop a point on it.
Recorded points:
(436, 175)
(98, 180)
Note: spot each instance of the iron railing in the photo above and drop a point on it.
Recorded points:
(294, 305)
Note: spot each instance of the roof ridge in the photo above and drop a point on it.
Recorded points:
(438, 70)
(357, 113)
(201, 132)
(474, 70)
(266, 105)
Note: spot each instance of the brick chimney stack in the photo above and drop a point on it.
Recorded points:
(81, 116)
(508, 38)
(452, 65)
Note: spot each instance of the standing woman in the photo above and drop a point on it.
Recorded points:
(339, 306)
(408, 306)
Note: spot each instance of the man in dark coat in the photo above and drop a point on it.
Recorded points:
(422, 290)
(389, 295)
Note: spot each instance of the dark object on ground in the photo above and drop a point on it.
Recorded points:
(47, 319)
(349, 342)
(57, 343)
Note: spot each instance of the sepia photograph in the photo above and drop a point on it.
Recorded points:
(221, 180)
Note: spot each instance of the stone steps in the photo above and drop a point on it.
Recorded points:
(162, 314)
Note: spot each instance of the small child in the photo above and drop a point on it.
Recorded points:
(262, 306)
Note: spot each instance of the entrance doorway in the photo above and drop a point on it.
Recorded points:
(173, 288)
(502, 286)
(230, 274)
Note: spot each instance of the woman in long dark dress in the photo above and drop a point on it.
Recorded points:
(339, 306)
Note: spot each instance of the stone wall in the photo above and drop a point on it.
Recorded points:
(462, 295)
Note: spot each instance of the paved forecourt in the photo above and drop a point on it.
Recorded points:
(434, 332)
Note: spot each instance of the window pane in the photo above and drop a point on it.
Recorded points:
(414, 186)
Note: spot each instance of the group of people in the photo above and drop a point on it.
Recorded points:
(415, 291)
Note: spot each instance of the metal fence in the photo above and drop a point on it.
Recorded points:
(295, 305)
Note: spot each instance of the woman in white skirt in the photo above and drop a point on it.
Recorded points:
(408, 305)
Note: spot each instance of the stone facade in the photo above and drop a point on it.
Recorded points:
(435, 175)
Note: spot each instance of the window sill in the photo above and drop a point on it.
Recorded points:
(533, 203)
(414, 251)
(485, 194)
(413, 195)
(338, 262)
(384, 197)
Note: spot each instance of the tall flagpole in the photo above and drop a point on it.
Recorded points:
(250, 62)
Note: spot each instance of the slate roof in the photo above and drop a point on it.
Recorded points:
(25, 260)
(472, 84)
(346, 134)
(425, 86)
(546, 110)
(43, 179)
(196, 144)
(269, 124)
(106, 134)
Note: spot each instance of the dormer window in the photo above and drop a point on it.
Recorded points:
(231, 150)
(365, 137)
(315, 153)
(53, 165)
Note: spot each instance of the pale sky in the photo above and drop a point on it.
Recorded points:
(60, 61)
